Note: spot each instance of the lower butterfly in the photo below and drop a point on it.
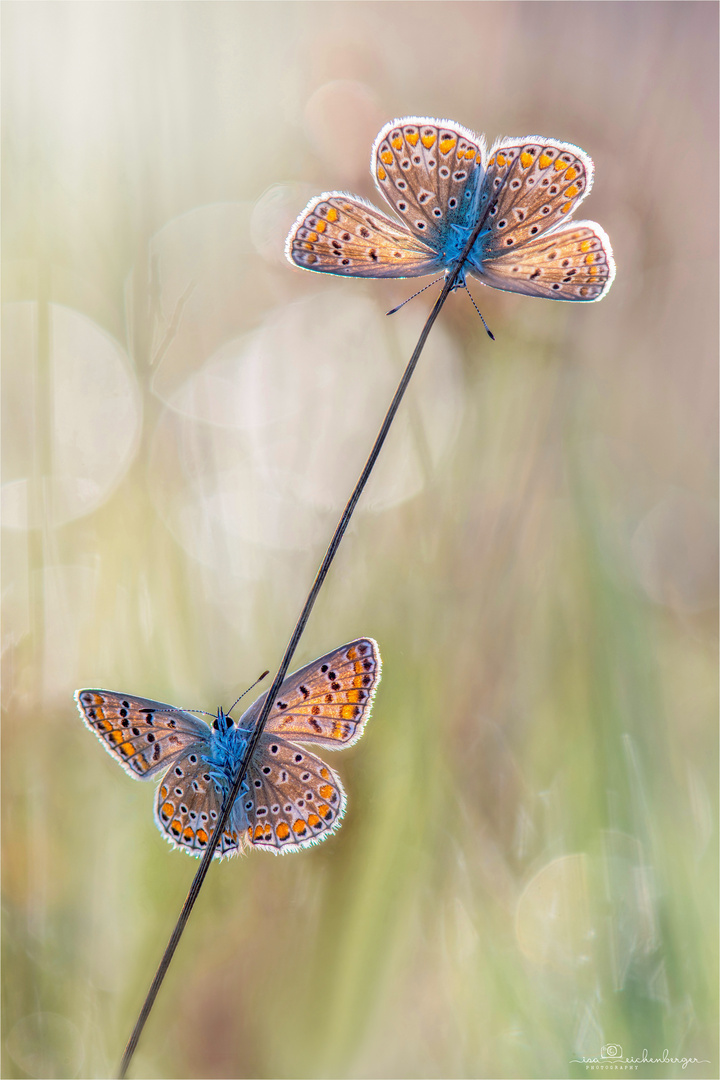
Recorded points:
(439, 179)
(289, 798)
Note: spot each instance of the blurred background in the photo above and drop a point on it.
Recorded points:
(526, 875)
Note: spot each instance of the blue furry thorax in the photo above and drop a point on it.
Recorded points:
(227, 744)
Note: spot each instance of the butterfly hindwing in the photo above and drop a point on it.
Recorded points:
(326, 702)
(430, 172)
(293, 798)
(345, 235)
(531, 186)
(145, 736)
(188, 805)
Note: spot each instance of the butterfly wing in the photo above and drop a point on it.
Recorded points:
(571, 262)
(530, 186)
(327, 702)
(430, 172)
(345, 235)
(145, 736)
(188, 806)
(294, 799)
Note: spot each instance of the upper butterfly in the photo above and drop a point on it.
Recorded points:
(439, 179)
(289, 797)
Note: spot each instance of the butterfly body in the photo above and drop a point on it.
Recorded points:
(289, 797)
(441, 182)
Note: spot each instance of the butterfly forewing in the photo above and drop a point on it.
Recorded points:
(326, 702)
(294, 799)
(531, 185)
(188, 805)
(145, 736)
(342, 234)
(572, 262)
(430, 172)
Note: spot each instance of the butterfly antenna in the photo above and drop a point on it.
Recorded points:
(414, 295)
(489, 331)
(258, 680)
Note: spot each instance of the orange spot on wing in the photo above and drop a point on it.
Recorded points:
(585, 246)
(103, 725)
(396, 145)
(324, 773)
(324, 810)
(428, 140)
(566, 208)
(590, 258)
(469, 154)
(282, 831)
(559, 164)
(175, 828)
(202, 837)
(447, 144)
(321, 225)
(167, 810)
(572, 191)
(526, 160)
(164, 792)
(412, 137)
(501, 160)
(327, 792)
(349, 712)
(544, 161)
(116, 737)
(381, 174)
(259, 833)
(299, 827)
(314, 821)
(188, 835)
(571, 173)
(126, 749)
(332, 214)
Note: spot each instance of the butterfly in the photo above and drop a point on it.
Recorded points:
(440, 181)
(289, 797)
